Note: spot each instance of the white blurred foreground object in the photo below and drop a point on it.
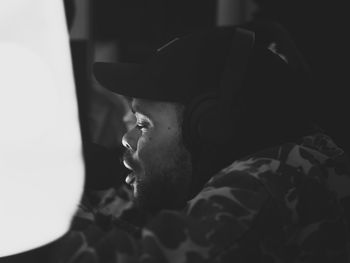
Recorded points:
(41, 165)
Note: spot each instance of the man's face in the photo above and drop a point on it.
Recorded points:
(160, 164)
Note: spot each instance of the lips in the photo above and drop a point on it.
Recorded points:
(128, 161)
(127, 164)
(130, 164)
(130, 179)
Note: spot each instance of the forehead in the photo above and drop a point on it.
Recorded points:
(156, 111)
(148, 107)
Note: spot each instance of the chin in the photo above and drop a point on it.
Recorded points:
(165, 185)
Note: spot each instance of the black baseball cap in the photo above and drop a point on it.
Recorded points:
(191, 65)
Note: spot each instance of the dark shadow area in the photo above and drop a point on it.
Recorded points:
(319, 29)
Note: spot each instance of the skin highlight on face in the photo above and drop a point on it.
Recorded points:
(160, 164)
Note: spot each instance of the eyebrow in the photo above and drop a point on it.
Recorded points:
(136, 108)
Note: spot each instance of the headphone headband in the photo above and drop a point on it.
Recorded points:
(207, 117)
(236, 64)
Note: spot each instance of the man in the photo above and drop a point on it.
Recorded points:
(224, 158)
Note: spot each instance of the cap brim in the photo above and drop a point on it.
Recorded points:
(126, 79)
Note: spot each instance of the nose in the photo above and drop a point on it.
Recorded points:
(130, 139)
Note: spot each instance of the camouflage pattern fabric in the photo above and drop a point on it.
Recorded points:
(284, 204)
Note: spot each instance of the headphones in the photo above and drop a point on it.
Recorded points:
(210, 117)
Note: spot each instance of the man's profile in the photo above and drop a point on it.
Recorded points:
(224, 158)
(160, 163)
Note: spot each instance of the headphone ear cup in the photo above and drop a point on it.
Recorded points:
(211, 118)
(206, 123)
(203, 118)
(194, 121)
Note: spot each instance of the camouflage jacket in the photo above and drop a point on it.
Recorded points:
(284, 204)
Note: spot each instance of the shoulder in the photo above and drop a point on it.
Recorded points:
(288, 200)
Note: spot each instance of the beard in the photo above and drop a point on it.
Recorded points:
(166, 181)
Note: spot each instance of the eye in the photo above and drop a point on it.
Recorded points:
(142, 126)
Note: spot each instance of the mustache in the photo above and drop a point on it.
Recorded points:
(127, 157)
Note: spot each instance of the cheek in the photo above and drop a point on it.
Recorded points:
(155, 147)
(152, 151)
(145, 148)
